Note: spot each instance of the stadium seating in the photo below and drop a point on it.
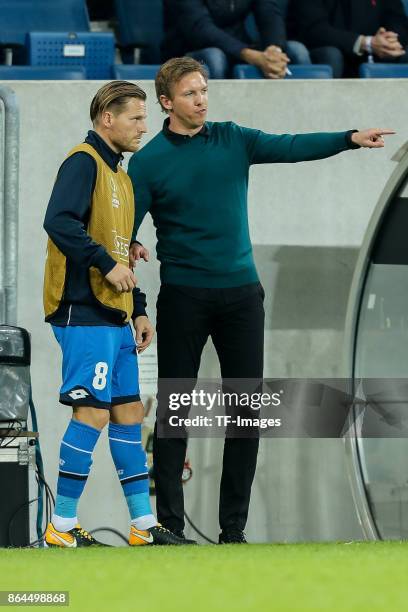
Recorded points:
(313, 71)
(383, 71)
(18, 17)
(32, 73)
(95, 51)
(135, 72)
(140, 26)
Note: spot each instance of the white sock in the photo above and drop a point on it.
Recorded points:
(144, 522)
(62, 523)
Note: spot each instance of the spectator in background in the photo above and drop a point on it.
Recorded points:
(216, 32)
(100, 10)
(346, 33)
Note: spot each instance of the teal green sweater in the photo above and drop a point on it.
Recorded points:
(196, 191)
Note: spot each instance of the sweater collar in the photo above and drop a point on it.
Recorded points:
(108, 155)
(179, 138)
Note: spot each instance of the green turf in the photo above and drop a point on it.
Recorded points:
(360, 576)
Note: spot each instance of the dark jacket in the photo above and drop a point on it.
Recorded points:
(195, 24)
(65, 222)
(338, 23)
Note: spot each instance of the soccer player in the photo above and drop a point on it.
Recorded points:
(90, 296)
(193, 178)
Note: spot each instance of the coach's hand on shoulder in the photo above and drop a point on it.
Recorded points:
(122, 278)
(144, 332)
(137, 251)
(372, 138)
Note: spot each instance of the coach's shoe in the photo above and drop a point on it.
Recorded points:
(233, 535)
(74, 538)
(180, 534)
(157, 535)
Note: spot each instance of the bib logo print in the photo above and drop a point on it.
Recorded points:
(120, 246)
(115, 197)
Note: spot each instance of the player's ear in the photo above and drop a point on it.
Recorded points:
(166, 103)
(106, 119)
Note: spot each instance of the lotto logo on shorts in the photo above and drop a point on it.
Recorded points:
(77, 394)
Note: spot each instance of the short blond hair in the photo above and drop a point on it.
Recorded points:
(172, 72)
(113, 96)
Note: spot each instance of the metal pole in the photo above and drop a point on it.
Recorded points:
(9, 233)
(2, 290)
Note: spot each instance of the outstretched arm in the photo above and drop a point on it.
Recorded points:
(265, 148)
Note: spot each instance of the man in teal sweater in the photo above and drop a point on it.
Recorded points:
(193, 179)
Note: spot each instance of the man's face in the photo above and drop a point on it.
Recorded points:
(127, 128)
(189, 100)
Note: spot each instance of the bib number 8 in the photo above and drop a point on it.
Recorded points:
(101, 371)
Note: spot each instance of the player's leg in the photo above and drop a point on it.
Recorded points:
(87, 356)
(128, 454)
(183, 324)
(239, 340)
(129, 457)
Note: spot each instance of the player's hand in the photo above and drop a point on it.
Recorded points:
(371, 139)
(136, 252)
(122, 278)
(386, 44)
(144, 332)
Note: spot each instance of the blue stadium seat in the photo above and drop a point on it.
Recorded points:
(46, 73)
(383, 71)
(140, 26)
(299, 71)
(18, 17)
(405, 3)
(94, 50)
(135, 72)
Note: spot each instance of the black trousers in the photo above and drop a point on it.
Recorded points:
(186, 317)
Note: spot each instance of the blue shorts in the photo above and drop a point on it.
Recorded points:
(99, 366)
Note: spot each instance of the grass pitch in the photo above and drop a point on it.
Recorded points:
(283, 577)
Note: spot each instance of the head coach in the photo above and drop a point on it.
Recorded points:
(193, 179)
